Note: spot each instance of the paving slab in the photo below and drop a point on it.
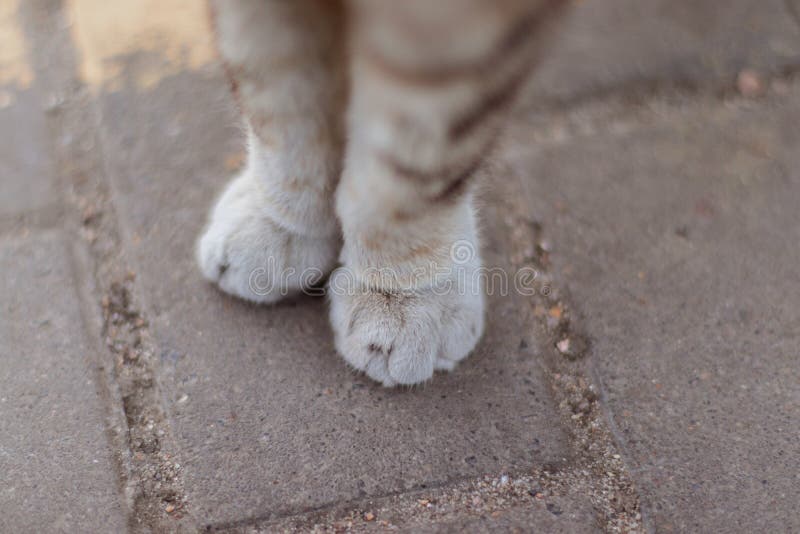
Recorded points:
(677, 238)
(608, 44)
(270, 419)
(26, 173)
(56, 468)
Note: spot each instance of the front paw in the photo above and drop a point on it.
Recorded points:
(402, 337)
(247, 253)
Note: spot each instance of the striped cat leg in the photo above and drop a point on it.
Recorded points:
(431, 82)
(274, 231)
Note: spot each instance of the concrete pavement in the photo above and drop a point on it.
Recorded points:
(678, 241)
(650, 383)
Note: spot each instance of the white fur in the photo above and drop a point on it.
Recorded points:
(252, 252)
(401, 337)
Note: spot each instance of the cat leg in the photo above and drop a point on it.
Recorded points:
(273, 231)
(431, 84)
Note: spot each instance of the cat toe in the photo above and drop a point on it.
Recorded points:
(401, 339)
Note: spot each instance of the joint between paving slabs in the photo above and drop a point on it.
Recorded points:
(153, 485)
(612, 493)
(635, 92)
(541, 489)
(151, 478)
(159, 493)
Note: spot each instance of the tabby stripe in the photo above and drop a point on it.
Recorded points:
(492, 103)
(457, 186)
(454, 176)
(439, 75)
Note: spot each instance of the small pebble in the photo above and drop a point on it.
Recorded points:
(369, 516)
(235, 160)
(563, 346)
(750, 83)
(170, 508)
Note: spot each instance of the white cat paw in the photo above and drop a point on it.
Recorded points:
(250, 255)
(402, 338)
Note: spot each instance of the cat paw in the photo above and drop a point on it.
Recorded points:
(402, 338)
(248, 254)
